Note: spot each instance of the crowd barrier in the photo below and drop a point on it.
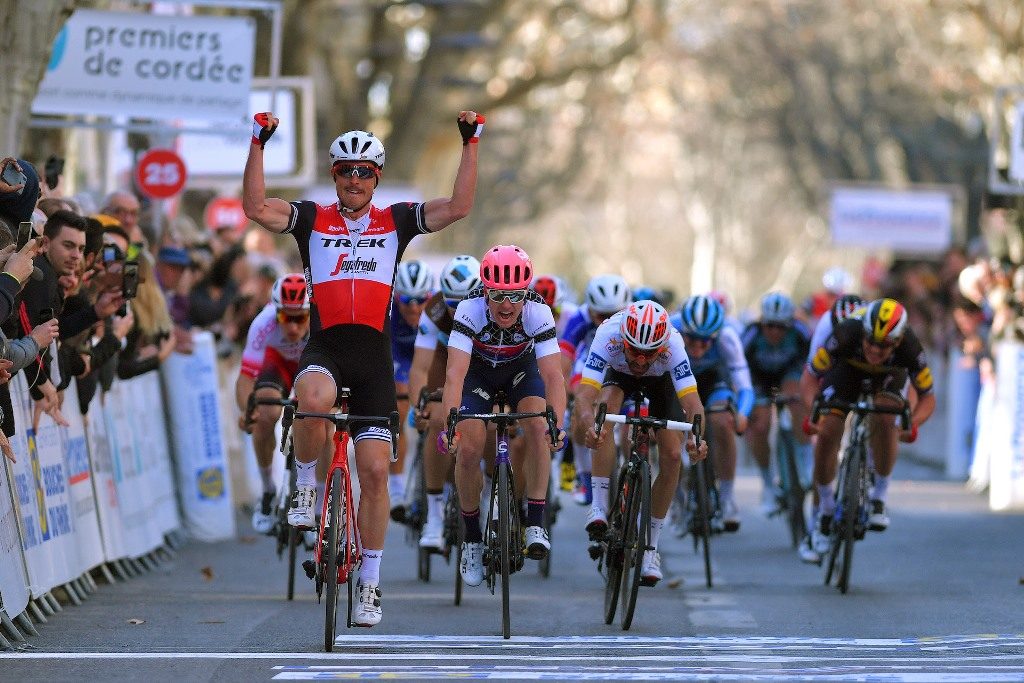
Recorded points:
(110, 492)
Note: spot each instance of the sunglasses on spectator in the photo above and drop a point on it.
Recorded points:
(642, 353)
(361, 171)
(283, 317)
(697, 339)
(514, 296)
(407, 299)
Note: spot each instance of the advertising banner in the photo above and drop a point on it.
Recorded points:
(1006, 456)
(915, 221)
(84, 519)
(150, 437)
(193, 408)
(14, 593)
(150, 66)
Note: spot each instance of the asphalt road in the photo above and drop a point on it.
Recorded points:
(937, 596)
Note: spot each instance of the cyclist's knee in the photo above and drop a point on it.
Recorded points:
(669, 458)
(315, 392)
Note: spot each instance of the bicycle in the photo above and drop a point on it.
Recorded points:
(849, 521)
(503, 553)
(552, 506)
(415, 516)
(629, 512)
(703, 502)
(338, 550)
(794, 485)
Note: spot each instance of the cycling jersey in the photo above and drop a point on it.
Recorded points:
(350, 264)
(266, 338)
(724, 358)
(576, 328)
(607, 352)
(435, 323)
(771, 364)
(844, 346)
(403, 338)
(580, 358)
(475, 333)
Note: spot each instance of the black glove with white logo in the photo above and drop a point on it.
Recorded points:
(471, 132)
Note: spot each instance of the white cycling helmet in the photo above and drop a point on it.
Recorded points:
(460, 276)
(607, 294)
(837, 281)
(776, 307)
(645, 325)
(357, 145)
(414, 278)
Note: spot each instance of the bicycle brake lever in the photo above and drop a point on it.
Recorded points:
(602, 411)
(696, 429)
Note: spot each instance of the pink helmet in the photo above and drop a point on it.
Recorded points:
(506, 267)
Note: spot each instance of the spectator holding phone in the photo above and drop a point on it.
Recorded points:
(19, 190)
(150, 340)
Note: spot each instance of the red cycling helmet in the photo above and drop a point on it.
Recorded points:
(547, 288)
(506, 267)
(290, 292)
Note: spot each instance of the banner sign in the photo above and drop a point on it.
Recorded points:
(1006, 456)
(193, 407)
(915, 221)
(151, 66)
(14, 594)
(79, 473)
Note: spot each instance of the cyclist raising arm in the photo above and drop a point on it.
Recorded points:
(350, 251)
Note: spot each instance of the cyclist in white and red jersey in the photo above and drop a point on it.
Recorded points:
(270, 360)
(637, 349)
(350, 251)
(503, 339)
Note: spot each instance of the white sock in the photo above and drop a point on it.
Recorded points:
(305, 473)
(724, 491)
(600, 489)
(656, 527)
(582, 457)
(267, 477)
(396, 487)
(369, 569)
(826, 499)
(881, 489)
(435, 508)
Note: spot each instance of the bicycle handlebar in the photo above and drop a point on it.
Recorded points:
(861, 407)
(455, 417)
(693, 427)
(343, 420)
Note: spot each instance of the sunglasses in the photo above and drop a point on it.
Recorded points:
(514, 296)
(883, 346)
(697, 339)
(360, 171)
(407, 299)
(295, 318)
(642, 353)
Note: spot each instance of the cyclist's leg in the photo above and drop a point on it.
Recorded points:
(884, 442)
(264, 441)
(435, 472)
(315, 391)
(758, 429)
(396, 470)
(603, 459)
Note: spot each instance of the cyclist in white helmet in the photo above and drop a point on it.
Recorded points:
(637, 349)
(606, 295)
(414, 285)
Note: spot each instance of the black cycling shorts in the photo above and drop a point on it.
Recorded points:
(357, 357)
(519, 379)
(659, 392)
(843, 382)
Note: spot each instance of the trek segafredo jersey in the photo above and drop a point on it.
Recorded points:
(607, 351)
(350, 264)
(475, 333)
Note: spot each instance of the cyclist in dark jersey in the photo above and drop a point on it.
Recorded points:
(350, 251)
(881, 348)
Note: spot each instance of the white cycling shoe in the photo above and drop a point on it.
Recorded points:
(300, 513)
(650, 568)
(263, 515)
(432, 537)
(472, 567)
(367, 611)
(597, 523)
(537, 543)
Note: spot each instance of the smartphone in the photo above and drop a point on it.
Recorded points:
(130, 280)
(46, 315)
(13, 176)
(52, 170)
(24, 234)
(111, 253)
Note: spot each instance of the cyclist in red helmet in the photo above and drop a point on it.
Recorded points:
(503, 339)
(270, 360)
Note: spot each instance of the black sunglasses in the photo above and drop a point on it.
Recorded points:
(359, 171)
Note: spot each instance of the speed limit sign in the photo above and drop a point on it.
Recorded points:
(160, 174)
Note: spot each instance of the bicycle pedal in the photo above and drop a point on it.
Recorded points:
(595, 550)
(309, 566)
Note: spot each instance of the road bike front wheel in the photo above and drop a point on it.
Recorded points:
(504, 544)
(638, 525)
(702, 515)
(794, 491)
(334, 538)
(617, 517)
(851, 510)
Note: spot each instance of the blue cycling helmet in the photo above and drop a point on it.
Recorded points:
(702, 316)
(649, 293)
(778, 308)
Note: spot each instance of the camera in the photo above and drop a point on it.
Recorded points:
(13, 176)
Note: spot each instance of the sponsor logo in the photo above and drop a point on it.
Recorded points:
(362, 243)
(486, 337)
(359, 265)
(382, 433)
(821, 361)
(482, 394)
(923, 380)
(210, 482)
(595, 362)
(516, 338)
(520, 376)
(682, 371)
(503, 447)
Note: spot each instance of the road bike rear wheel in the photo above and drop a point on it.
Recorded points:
(794, 491)
(637, 530)
(613, 548)
(334, 538)
(293, 552)
(505, 543)
(702, 515)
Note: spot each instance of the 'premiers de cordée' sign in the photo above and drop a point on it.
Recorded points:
(144, 65)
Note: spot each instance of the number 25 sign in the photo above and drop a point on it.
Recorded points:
(160, 174)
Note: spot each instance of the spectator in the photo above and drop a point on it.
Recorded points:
(124, 206)
(17, 202)
(151, 339)
(174, 280)
(211, 297)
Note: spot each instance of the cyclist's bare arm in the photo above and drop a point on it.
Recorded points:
(455, 377)
(583, 409)
(243, 389)
(692, 406)
(272, 213)
(550, 369)
(442, 212)
(422, 359)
